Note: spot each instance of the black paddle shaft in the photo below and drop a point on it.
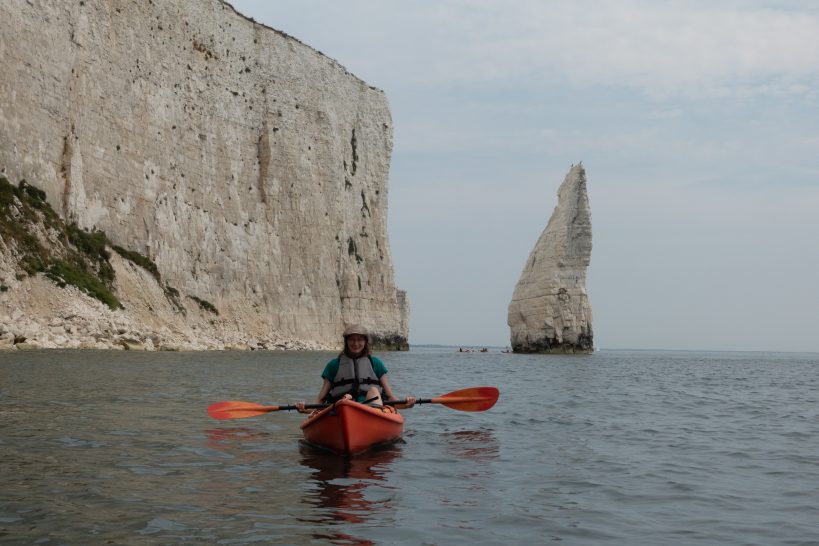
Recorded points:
(306, 406)
(404, 401)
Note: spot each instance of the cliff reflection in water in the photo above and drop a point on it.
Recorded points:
(345, 488)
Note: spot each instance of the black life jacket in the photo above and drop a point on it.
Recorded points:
(354, 377)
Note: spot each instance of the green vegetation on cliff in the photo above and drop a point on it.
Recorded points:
(43, 243)
(148, 265)
(145, 263)
(205, 305)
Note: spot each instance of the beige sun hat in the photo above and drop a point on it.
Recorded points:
(355, 329)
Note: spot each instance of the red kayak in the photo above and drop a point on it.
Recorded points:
(348, 428)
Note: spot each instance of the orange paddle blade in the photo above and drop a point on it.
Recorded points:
(239, 410)
(471, 399)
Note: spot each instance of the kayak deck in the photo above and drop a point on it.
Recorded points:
(348, 428)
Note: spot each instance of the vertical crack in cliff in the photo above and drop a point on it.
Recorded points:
(365, 209)
(72, 32)
(352, 250)
(263, 156)
(354, 145)
(65, 173)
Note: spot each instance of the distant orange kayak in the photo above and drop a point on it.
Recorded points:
(348, 428)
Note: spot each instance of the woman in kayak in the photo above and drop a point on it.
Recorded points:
(356, 375)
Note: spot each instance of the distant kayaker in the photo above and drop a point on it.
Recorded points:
(356, 375)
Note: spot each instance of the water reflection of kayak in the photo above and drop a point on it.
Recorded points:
(340, 484)
(348, 428)
(327, 467)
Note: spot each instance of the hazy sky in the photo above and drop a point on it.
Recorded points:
(697, 122)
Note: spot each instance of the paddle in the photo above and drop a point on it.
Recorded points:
(471, 399)
(237, 409)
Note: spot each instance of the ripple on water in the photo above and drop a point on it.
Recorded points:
(158, 525)
(77, 442)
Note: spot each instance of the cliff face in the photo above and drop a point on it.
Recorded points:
(250, 168)
(550, 310)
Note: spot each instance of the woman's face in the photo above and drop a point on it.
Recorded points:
(356, 343)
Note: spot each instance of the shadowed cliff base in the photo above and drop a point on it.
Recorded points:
(583, 345)
(389, 343)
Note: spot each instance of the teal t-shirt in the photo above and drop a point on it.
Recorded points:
(331, 369)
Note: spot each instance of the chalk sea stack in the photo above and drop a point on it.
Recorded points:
(550, 310)
(243, 173)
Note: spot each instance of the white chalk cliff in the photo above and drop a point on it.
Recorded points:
(550, 310)
(249, 167)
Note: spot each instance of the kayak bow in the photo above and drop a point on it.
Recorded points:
(348, 428)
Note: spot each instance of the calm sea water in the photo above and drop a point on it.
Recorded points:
(625, 448)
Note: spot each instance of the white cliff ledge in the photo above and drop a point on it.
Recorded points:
(550, 310)
(249, 167)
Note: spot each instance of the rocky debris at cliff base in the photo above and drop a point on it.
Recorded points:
(75, 333)
(77, 321)
(36, 312)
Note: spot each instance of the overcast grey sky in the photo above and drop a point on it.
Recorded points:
(697, 122)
